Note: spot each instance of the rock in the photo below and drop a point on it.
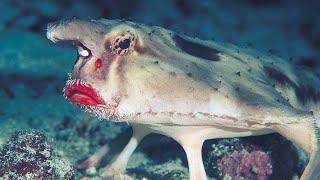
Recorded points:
(28, 155)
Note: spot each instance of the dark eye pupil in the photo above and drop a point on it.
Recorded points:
(124, 44)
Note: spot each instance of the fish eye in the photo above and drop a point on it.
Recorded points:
(83, 51)
(125, 44)
(122, 43)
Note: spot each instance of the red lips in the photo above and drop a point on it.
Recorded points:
(84, 94)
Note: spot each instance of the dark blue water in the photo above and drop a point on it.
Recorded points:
(44, 136)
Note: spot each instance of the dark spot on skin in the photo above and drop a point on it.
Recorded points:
(238, 73)
(172, 73)
(197, 50)
(249, 70)
(274, 85)
(216, 89)
(200, 71)
(306, 93)
(255, 98)
(189, 74)
(156, 62)
(278, 76)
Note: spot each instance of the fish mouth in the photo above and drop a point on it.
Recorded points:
(79, 92)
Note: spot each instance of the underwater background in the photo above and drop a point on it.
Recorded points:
(43, 136)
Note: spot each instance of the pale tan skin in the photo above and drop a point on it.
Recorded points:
(164, 84)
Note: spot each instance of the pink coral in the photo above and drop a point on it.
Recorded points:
(245, 165)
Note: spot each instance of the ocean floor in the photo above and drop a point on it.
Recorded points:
(47, 136)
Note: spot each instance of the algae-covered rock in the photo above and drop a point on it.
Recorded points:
(28, 155)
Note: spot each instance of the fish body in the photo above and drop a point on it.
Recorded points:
(189, 89)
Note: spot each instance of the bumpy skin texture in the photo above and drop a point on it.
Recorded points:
(188, 89)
